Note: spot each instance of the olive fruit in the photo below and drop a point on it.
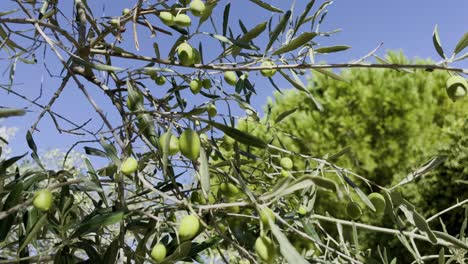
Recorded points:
(212, 110)
(160, 80)
(188, 228)
(265, 249)
(43, 199)
(230, 77)
(457, 87)
(129, 166)
(126, 11)
(353, 210)
(159, 252)
(265, 215)
(302, 210)
(228, 189)
(268, 72)
(378, 201)
(114, 22)
(185, 53)
(197, 198)
(173, 143)
(195, 86)
(286, 163)
(182, 20)
(206, 83)
(189, 144)
(285, 173)
(167, 18)
(197, 7)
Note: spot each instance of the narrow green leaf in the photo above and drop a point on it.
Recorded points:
(364, 198)
(462, 44)
(95, 65)
(96, 222)
(111, 151)
(288, 251)
(110, 256)
(226, 18)
(30, 141)
(95, 152)
(441, 258)
(13, 199)
(451, 239)
(301, 40)
(8, 12)
(332, 49)
(267, 6)
(331, 74)
(5, 164)
(285, 114)
(8, 112)
(436, 42)
(33, 232)
(238, 135)
(278, 29)
(204, 172)
(303, 16)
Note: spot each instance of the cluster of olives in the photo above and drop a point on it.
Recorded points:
(197, 8)
(189, 228)
(354, 211)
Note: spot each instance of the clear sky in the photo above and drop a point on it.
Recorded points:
(399, 24)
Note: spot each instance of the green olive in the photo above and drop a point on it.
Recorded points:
(126, 11)
(173, 143)
(230, 77)
(195, 86)
(285, 173)
(265, 249)
(286, 163)
(212, 111)
(228, 189)
(160, 80)
(197, 7)
(206, 83)
(302, 210)
(268, 72)
(189, 144)
(265, 215)
(182, 20)
(129, 166)
(43, 199)
(159, 252)
(378, 201)
(188, 228)
(167, 18)
(185, 53)
(353, 210)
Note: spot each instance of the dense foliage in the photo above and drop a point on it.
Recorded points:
(168, 176)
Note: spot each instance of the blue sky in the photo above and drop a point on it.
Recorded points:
(400, 25)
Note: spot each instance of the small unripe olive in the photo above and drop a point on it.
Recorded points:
(173, 143)
(230, 77)
(265, 249)
(206, 83)
(302, 210)
(212, 111)
(197, 7)
(195, 86)
(114, 22)
(189, 144)
(167, 18)
(285, 173)
(266, 214)
(286, 163)
(228, 189)
(43, 199)
(268, 72)
(353, 210)
(185, 53)
(182, 20)
(188, 228)
(129, 166)
(378, 201)
(126, 11)
(159, 252)
(160, 80)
